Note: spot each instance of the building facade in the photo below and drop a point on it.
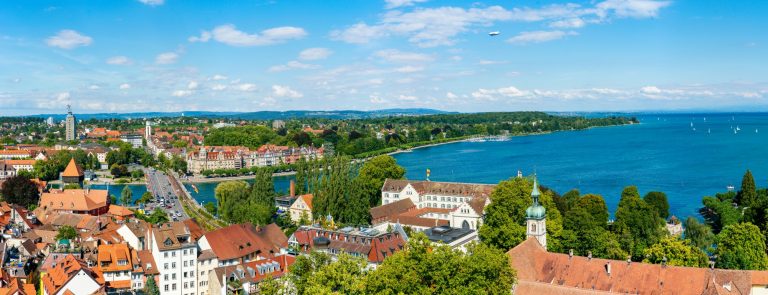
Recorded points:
(70, 126)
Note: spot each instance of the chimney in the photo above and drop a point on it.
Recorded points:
(664, 262)
(608, 268)
(589, 255)
(570, 253)
(711, 265)
(293, 188)
(629, 260)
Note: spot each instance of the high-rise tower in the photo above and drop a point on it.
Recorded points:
(71, 125)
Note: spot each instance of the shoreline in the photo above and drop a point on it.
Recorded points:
(195, 179)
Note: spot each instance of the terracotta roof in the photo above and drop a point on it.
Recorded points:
(147, 262)
(20, 162)
(375, 247)
(73, 169)
(388, 211)
(440, 188)
(122, 284)
(63, 270)
(120, 211)
(19, 153)
(478, 204)
(74, 200)
(307, 200)
(555, 273)
(240, 240)
(194, 228)
(111, 258)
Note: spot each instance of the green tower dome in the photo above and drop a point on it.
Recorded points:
(535, 211)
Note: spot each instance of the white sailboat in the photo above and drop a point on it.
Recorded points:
(709, 131)
(737, 128)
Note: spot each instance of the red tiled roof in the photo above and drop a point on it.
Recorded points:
(74, 200)
(73, 169)
(239, 240)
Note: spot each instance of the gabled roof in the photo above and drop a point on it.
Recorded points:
(74, 200)
(307, 200)
(239, 240)
(439, 188)
(388, 211)
(110, 257)
(73, 169)
(555, 273)
(147, 262)
(63, 270)
(119, 211)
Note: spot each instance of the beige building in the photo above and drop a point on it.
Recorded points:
(302, 206)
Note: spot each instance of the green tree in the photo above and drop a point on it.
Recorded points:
(567, 201)
(748, 193)
(741, 246)
(677, 252)
(231, 196)
(503, 226)
(151, 287)
(637, 224)
(145, 198)
(373, 173)
(20, 190)
(424, 268)
(346, 275)
(66, 232)
(658, 200)
(699, 234)
(304, 267)
(211, 208)
(126, 195)
(158, 216)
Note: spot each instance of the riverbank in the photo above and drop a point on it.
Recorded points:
(197, 179)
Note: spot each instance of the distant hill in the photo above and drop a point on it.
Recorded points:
(262, 115)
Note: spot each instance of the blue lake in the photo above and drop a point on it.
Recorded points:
(663, 153)
(117, 189)
(206, 190)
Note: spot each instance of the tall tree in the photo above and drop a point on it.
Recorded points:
(748, 193)
(151, 287)
(20, 190)
(741, 246)
(637, 224)
(503, 226)
(231, 196)
(699, 234)
(676, 252)
(126, 195)
(373, 173)
(66, 232)
(658, 200)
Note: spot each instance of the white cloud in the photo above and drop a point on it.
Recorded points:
(291, 65)
(247, 87)
(204, 37)
(218, 77)
(125, 86)
(118, 60)
(182, 93)
(394, 55)
(152, 2)
(63, 96)
(403, 97)
(315, 53)
(219, 87)
(166, 58)
(426, 27)
(409, 69)
(285, 91)
(94, 87)
(192, 85)
(631, 8)
(538, 36)
(495, 94)
(440, 26)
(490, 62)
(230, 35)
(450, 95)
(374, 98)
(650, 90)
(391, 4)
(571, 23)
(68, 39)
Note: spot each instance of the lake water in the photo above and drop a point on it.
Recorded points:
(206, 190)
(117, 189)
(663, 153)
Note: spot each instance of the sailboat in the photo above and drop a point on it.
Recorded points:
(737, 128)
(755, 130)
(691, 124)
(709, 131)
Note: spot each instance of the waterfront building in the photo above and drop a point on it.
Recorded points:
(236, 157)
(70, 126)
(424, 204)
(75, 201)
(73, 174)
(371, 244)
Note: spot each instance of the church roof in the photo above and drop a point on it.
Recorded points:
(73, 170)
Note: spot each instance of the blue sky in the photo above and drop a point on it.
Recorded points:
(173, 55)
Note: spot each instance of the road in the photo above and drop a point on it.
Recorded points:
(160, 186)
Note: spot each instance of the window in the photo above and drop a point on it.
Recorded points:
(173, 276)
(166, 287)
(185, 265)
(165, 254)
(165, 266)
(165, 277)
(173, 287)
(173, 265)
(185, 252)
(173, 254)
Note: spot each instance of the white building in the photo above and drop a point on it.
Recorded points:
(424, 204)
(134, 139)
(175, 252)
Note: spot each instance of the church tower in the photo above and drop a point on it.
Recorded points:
(536, 217)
